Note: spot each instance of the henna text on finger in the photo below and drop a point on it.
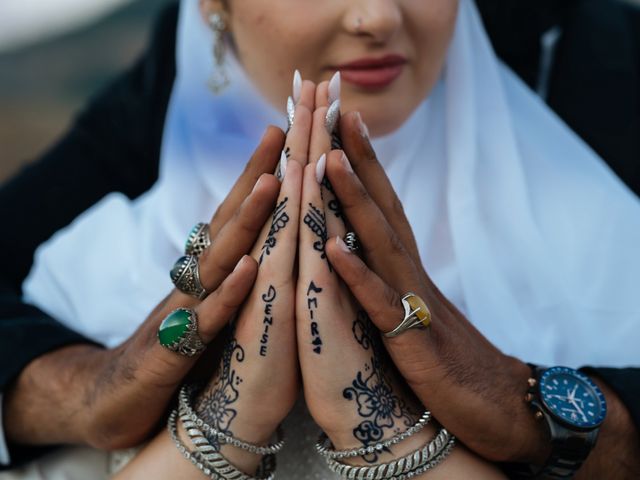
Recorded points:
(312, 305)
(279, 221)
(315, 220)
(380, 408)
(267, 320)
(334, 204)
(215, 404)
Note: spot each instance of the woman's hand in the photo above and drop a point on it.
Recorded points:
(469, 385)
(257, 381)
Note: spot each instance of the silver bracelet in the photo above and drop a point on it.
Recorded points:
(196, 460)
(214, 464)
(212, 457)
(405, 467)
(325, 447)
(185, 404)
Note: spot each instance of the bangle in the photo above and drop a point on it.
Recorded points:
(325, 447)
(222, 469)
(185, 405)
(408, 466)
(213, 458)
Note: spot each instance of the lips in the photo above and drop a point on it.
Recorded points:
(373, 73)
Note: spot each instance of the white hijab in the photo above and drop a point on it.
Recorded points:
(518, 222)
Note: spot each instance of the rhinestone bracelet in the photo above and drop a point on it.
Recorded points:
(420, 460)
(220, 469)
(325, 448)
(185, 404)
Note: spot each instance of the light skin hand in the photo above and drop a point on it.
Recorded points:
(257, 381)
(113, 398)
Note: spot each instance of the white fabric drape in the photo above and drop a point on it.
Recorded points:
(519, 223)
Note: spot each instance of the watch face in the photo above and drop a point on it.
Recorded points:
(572, 397)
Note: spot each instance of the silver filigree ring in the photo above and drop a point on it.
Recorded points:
(198, 240)
(185, 275)
(351, 239)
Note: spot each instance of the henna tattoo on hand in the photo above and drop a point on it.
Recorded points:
(334, 204)
(379, 407)
(278, 222)
(267, 320)
(312, 305)
(215, 404)
(315, 220)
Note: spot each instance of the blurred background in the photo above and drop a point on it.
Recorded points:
(53, 56)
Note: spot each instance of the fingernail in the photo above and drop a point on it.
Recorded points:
(297, 86)
(256, 185)
(341, 245)
(283, 164)
(334, 88)
(333, 114)
(364, 130)
(320, 167)
(346, 163)
(291, 111)
(239, 263)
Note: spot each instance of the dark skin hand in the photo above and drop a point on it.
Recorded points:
(451, 367)
(114, 398)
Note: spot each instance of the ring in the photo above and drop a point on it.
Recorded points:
(416, 315)
(351, 239)
(185, 275)
(198, 240)
(179, 333)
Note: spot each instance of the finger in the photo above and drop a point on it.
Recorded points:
(213, 313)
(264, 160)
(381, 245)
(357, 147)
(239, 234)
(320, 144)
(217, 309)
(276, 252)
(297, 142)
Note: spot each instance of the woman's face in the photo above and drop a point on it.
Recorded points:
(390, 52)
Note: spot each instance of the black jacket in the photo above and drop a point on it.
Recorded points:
(114, 145)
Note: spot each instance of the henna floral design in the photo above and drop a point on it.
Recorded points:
(215, 405)
(378, 406)
(279, 221)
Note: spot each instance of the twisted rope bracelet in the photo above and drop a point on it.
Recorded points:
(403, 468)
(325, 448)
(212, 457)
(185, 404)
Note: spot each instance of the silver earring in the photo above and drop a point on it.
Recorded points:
(219, 79)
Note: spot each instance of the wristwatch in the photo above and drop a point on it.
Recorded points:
(574, 408)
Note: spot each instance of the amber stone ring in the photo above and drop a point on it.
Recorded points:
(179, 333)
(416, 315)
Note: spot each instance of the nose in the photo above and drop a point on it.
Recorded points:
(376, 19)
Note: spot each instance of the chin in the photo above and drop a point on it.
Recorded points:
(383, 118)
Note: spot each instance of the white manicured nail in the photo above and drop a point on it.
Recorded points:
(256, 185)
(343, 246)
(297, 86)
(320, 167)
(283, 164)
(334, 88)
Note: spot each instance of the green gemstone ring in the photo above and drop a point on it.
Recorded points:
(179, 333)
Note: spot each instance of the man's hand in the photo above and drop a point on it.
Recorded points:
(469, 385)
(113, 398)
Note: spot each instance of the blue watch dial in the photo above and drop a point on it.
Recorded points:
(572, 397)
